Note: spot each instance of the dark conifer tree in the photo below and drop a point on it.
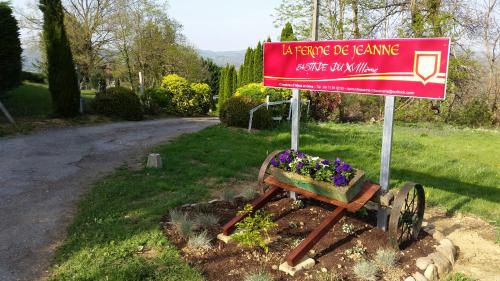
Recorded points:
(63, 83)
(10, 50)
(287, 33)
(258, 59)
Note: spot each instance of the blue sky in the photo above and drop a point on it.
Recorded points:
(222, 25)
(218, 25)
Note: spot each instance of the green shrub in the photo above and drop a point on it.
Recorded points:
(199, 241)
(157, 100)
(178, 88)
(201, 98)
(366, 270)
(119, 102)
(458, 276)
(235, 112)
(474, 113)
(228, 195)
(206, 220)
(33, 77)
(386, 258)
(253, 230)
(187, 99)
(254, 91)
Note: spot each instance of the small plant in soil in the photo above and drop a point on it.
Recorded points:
(199, 241)
(366, 270)
(254, 229)
(356, 252)
(182, 223)
(362, 212)
(176, 216)
(206, 220)
(328, 276)
(458, 276)
(228, 195)
(258, 276)
(298, 204)
(348, 228)
(249, 193)
(386, 258)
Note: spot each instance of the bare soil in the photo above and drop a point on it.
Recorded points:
(478, 253)
(231, 261)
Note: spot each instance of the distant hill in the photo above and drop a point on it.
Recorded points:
(221, 58)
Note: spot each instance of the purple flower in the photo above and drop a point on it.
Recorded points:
(318, 166)
(274, 162)
(300, 165)
(301, 154)
(344, 167)
(338, 161)
(325, 162)
(340, 180)
(283, 157)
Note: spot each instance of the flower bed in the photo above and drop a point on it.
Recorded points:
(333, 179)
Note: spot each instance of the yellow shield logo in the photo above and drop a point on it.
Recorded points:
(426, 65)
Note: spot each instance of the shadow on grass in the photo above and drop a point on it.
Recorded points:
(472, 191)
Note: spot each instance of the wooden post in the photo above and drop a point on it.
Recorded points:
(385, 161)
(315, 21)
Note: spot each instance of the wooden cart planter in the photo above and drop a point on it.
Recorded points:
(406, 213)
(340, 193)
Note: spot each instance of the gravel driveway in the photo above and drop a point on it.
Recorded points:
(43, 175)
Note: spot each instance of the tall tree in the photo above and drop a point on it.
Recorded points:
(258, 58)
(222, 85)
(287, 33)
(63, 84)
(10, 50)
(213, 77)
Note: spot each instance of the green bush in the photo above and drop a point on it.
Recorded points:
(254, 91)
(235, 112)
(474, 113)
(201, 97)
(119, 102)
(187, 99)
(157, 100)
(33, 77)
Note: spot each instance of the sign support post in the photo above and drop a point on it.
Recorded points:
(385, 159)
(295, 125)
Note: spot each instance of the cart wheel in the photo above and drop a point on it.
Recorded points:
(263, 172)
(406, 215)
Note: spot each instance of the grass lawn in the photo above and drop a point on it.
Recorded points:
(31, 106)
(29, 99)
(458, 167)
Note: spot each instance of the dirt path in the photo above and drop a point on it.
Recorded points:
(478, 255)
(43, 175)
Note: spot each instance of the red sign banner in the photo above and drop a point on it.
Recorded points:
(390, 67)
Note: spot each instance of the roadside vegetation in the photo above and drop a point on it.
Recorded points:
(116, 236)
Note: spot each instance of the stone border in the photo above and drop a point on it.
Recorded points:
(437, 264)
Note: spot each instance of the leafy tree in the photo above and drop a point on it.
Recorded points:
(63, 83)
(287, 33)
(10, 50)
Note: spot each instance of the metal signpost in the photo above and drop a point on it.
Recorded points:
(385, 159)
